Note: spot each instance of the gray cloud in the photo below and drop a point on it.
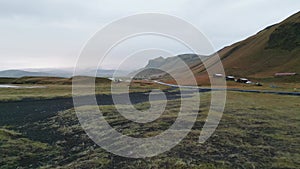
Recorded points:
(51, 33)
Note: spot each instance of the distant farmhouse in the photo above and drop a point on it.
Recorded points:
(242, 80)
(218, 75)
(239, 80)
(230, 78)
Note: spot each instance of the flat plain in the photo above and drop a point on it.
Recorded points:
(39, 129)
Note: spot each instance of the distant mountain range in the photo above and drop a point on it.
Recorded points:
(272, 50)
(60, 73)
(21, 73)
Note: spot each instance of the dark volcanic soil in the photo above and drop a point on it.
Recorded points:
(21, 112)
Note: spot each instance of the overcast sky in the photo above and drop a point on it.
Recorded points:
(51, 33)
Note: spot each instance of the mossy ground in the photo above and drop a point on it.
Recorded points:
(256, 131)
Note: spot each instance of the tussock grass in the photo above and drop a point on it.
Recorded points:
(256, 131)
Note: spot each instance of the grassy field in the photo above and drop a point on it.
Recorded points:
(267, 85)
(48, 89)
(256, 131)
(52, 87)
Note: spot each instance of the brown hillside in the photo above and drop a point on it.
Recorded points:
(274, 49)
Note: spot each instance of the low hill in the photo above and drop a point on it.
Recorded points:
(56, 80)
(41, 80)
(7, 80)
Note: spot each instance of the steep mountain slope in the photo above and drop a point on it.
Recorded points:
(172, 64)
(274, 49)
